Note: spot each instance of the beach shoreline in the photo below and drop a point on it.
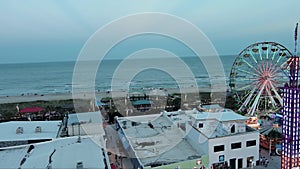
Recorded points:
(87, 95)
(85, 101)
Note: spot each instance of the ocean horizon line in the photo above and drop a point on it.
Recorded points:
(62, 61)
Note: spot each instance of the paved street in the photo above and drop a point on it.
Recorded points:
(114, 145)
(274, 161)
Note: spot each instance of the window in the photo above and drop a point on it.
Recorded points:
(200, 125)
(233, 129)
(218, 148)
(236, 145)
(251, 143)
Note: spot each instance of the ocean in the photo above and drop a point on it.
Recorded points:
(56, 77)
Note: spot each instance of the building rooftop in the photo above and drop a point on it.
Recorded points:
(67, 152)
(156, 140)
(212, 121)
(28, 130)
(211, 107)
(221, 115)
(86, 117)
(90, 123)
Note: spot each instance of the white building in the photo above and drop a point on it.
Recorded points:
(154, 140)
(85, 149)
(223, 135)
(26, 132)
(60, 153)
(87, 123)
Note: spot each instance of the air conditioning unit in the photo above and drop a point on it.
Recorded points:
(19, 130)
(38, 129)
(79, 165)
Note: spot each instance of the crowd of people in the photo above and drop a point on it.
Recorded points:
(263, 161)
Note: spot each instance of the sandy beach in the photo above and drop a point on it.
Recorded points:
(88, 96)
(84, 101)
(30, 98)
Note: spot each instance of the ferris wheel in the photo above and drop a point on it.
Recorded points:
(256, 75)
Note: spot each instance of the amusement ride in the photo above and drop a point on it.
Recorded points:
(256, 75)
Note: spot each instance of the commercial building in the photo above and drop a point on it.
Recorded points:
(219, 138)
(26, 132)
(153, 140)
(225, 137)
(38, 144)
(60, 153)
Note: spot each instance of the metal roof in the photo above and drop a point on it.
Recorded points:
(66, 153)
(222, 115)
(49, 130)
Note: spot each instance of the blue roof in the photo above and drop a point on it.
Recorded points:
(141, 102)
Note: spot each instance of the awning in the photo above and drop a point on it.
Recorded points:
(141, 102)
(267, 131)
(31, 110)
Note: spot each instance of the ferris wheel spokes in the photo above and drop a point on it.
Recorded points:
(253, 56)
(245, 87)
(277, 95)
(256, 74)
(254, 105)
(273, 102)
(248, 99)
(248, 72)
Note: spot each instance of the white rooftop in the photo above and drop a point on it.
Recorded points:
(86, 117)
(164, 143)
(49, 130)
(212, 107)
(222, 115)
(210, 120)
(67, 153)
(90, 123)
(143, 118)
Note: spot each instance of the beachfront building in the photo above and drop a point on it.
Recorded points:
(154, 140)
(225, 137)
(60, 153)
(142, 105)
(82, 144)
(86, 123)
(26, 132)
(216, 139)
(140, 100)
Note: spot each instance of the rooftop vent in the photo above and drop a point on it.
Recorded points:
(19, 130)
(38, 129)
(79, 165)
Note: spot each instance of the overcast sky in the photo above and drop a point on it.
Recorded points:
(56, 30)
